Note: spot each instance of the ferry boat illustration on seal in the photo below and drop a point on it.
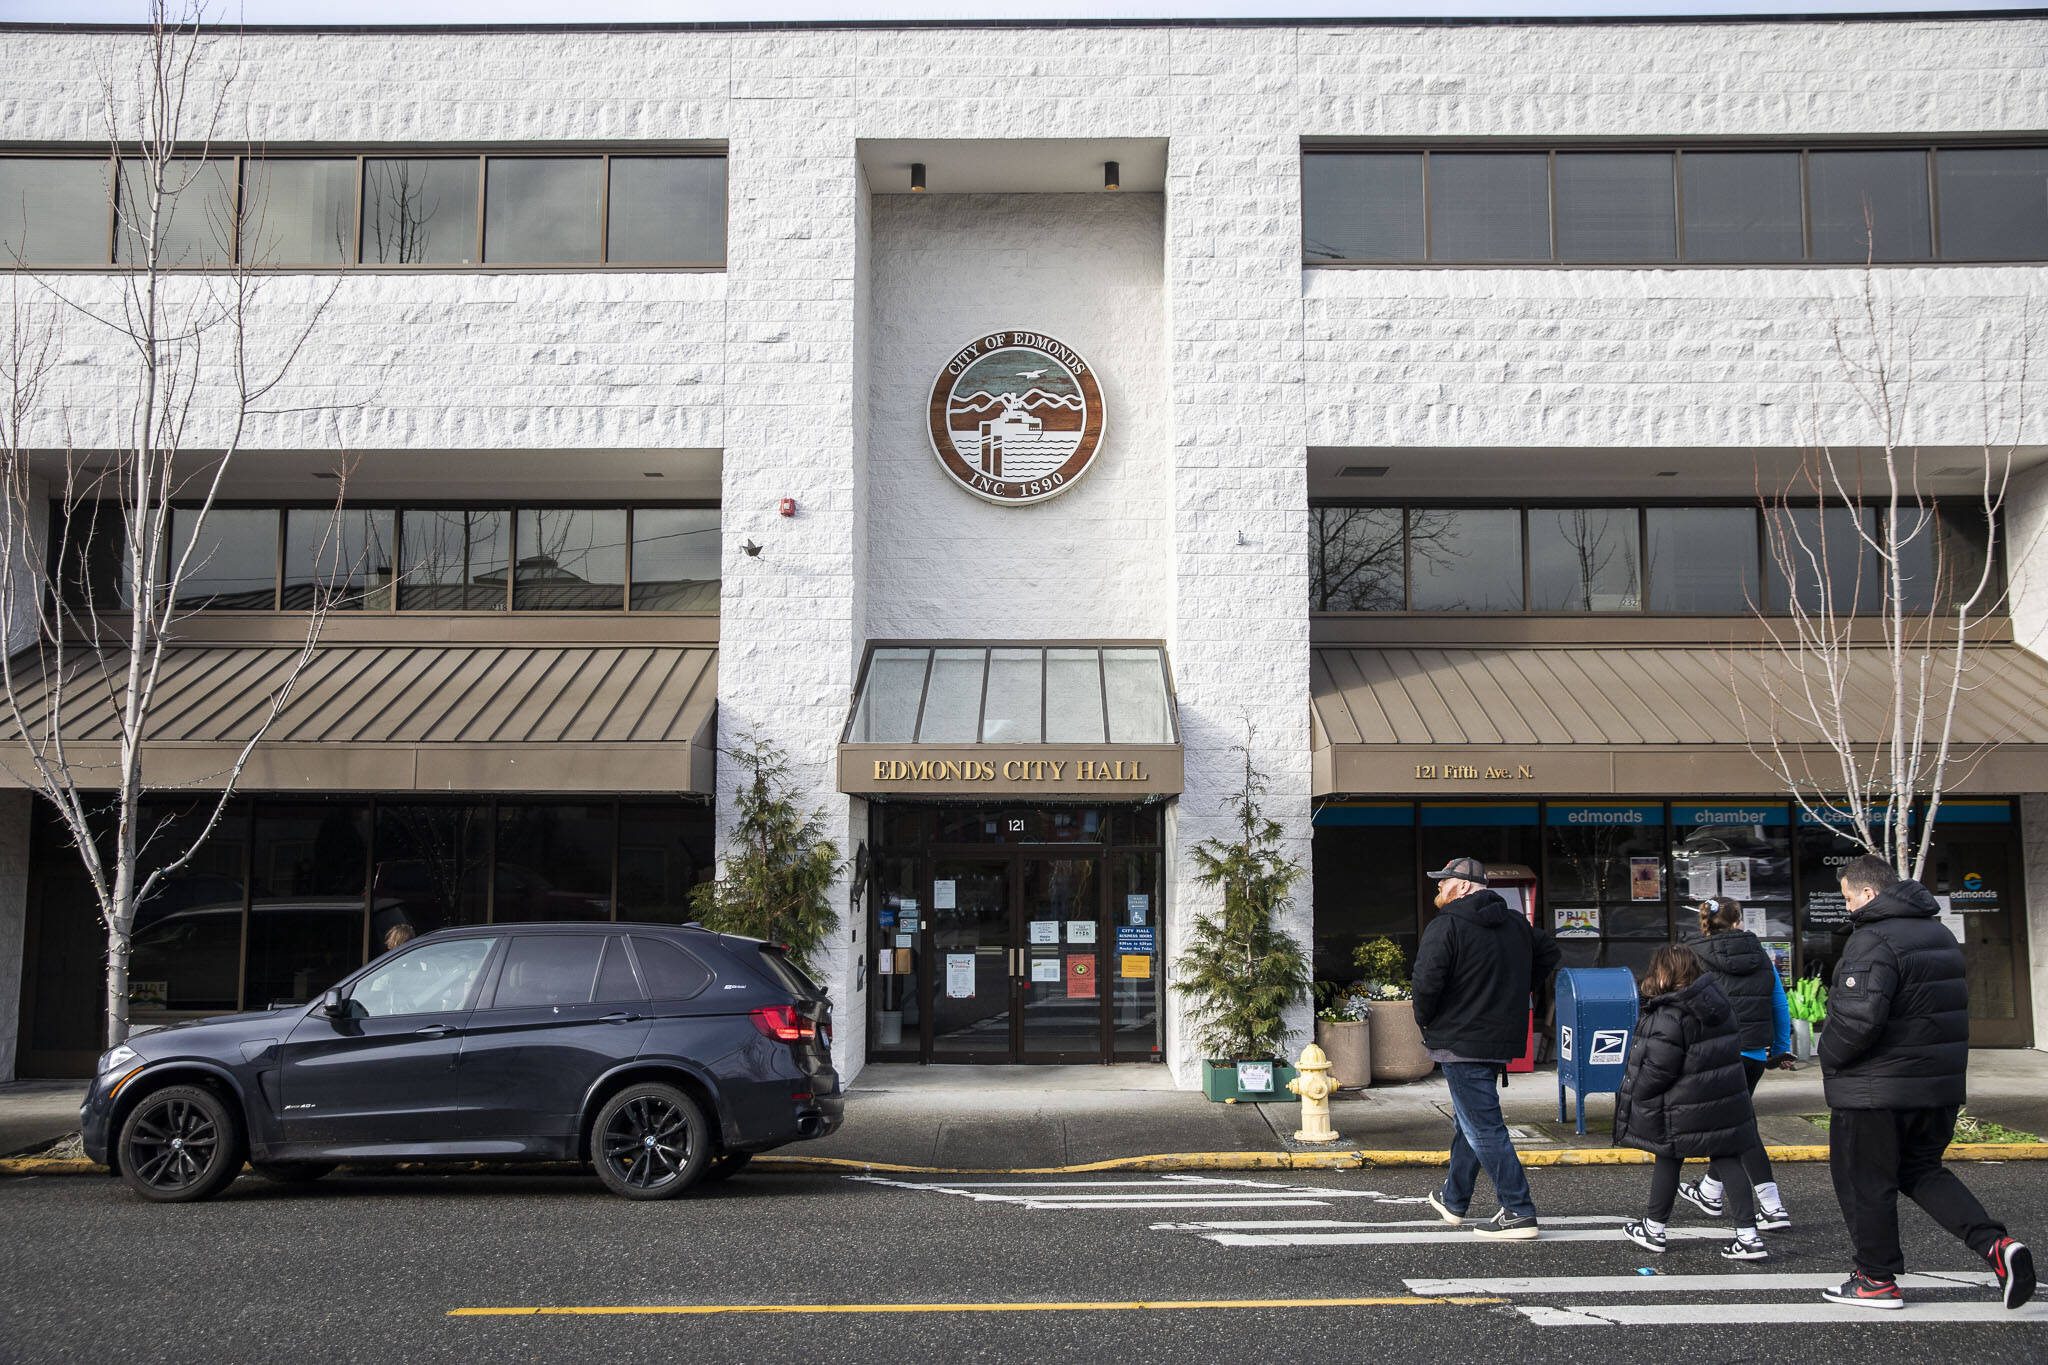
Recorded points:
(1016, 417)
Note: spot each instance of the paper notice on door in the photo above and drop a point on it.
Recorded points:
(906, 940)
(885, 962)
(1950, 920)
(1735, 878)
(959, 976)
(903, 967)
(944, 895)
(1134, 966)
(1646, 879)
(1580, 921)
(1080, 931)
(1081, 976)
(1045, 931)
(1703, 878)
(1044, 970)
(1753, 920)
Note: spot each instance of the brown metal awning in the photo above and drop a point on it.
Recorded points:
(1641, 720)
(390, 717)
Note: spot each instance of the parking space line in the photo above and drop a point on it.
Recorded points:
(1083, 1306)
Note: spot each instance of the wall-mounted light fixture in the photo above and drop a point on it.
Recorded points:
(917, 177)
(1110, 176)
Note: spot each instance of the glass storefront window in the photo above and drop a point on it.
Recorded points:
(186, 952)
(1743, 852)
(1138, 964)
(432, 869)
(454, 560)
(570, 559)
(1584, 559)
(1496, 834)
(338, 557)
(1366, 882)
(306, 909)
(1823, 919)
(1606, 875)
(664, 851)
(554, 862)
(675, 559)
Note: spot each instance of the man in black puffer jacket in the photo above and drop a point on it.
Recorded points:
(1894, 1056)
(1473, 973)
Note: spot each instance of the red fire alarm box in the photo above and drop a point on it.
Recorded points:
(787, 507)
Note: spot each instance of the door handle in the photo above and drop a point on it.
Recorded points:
(432, 1031)
(618, 1017)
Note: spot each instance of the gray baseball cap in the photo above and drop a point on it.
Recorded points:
(1465, 869)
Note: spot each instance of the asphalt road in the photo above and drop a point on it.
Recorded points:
(373, 1269)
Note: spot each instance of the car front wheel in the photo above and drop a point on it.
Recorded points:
(180, 1144)
(650, 1141)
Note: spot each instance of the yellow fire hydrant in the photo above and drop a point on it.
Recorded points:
(1315, 1088)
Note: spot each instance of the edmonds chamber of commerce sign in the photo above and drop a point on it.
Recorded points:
(1016, 417)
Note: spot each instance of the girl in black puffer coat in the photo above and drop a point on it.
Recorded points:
(1684, 1095)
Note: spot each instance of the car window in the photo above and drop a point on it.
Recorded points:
(671, 973)
(434, 978)
(615, 979)
(788, 973)
(549, 969)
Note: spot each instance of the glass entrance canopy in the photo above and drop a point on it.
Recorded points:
(1014, 694)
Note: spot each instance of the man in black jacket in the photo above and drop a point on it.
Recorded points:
(1473, 973)
(1893, 1057)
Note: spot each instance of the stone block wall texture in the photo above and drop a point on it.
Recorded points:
(800, 359)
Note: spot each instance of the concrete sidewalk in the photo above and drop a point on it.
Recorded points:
(1044, 1117)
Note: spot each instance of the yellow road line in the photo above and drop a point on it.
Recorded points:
(1086, 1306)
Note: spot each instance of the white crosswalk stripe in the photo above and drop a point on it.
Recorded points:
(1158, 1192)
(1676, 1284)
(1734, 1302)
(1440, 1232)
(1722, 1313)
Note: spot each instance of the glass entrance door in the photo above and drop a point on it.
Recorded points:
(1059, 988)
(1979, 880)
(972, 939)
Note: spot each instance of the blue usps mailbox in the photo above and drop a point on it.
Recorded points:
(1596, 1013)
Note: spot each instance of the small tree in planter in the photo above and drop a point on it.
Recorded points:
(779, 866)
(1240, 971)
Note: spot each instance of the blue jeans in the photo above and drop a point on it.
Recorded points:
(1481, 1139)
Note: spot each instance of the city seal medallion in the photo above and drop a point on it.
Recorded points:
(1016, 417)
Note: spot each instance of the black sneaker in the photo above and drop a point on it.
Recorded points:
(1509, 1227)
(2015, 1267)
(1435, 1199)
(1745, 1250)
(1773, 1220)
(1861, 1291)
(1699, 1199)
(1637, 1231)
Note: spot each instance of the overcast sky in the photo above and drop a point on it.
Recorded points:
(672, 11)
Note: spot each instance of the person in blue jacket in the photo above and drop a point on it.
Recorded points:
(1749, 978)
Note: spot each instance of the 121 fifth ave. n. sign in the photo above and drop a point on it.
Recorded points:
(1015, 417)
(1001, 770)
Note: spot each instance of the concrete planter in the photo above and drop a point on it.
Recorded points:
(1397, 1052)
(1349, 1047)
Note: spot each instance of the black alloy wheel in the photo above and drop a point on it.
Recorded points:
(725, 1165)
(292, 1172)
(180, 1144)
(650, 1141)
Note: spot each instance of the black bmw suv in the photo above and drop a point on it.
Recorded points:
(663, 1055)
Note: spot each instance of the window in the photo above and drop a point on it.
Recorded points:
(615, 978)
(1703, 202)
(1702, 559)
(675, 559)
(1616, 206)
(434, 978)
(306, 907)
(1465, 560)
(1489, 206)
(1073, 697)
(543, 210)
(1994, 203)
(1136, 694)
(664, 853)
(432, 868)
(667, 208)
(570, 559)
(889, 698)
(1584, 559)
(1364, 206)
(670, 972)
(338, 557)
(1013, 712)
(233, 558)
(337, 207)
(1358, 558)
(1824, 558)
(455, 561)
(1013, 694)
(554, 862)
(549, 969)
(952, 699)
(53, 211)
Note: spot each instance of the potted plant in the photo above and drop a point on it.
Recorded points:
(1240, 971)
(1344, 1033)
(1809, 1004)
(1398, 1053)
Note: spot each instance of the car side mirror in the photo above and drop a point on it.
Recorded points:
(334, 1005)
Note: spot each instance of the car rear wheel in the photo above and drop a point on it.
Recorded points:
(180, 1144)
(650, 1141)
(292, 1172)
(726, 1164)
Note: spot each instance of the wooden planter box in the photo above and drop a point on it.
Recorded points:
(1398, 1054)
(1219, 1082)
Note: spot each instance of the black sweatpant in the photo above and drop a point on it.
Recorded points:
(1877, 1154)
(1727, 1169)
(1756, 1162)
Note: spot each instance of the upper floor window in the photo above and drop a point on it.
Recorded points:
(410, 559)
(1706, 203)
(1726, 560)
(341, 208)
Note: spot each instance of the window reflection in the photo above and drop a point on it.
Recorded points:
(542, 210)
(570, 559)
(53, 211)
(554, 863)
(664, 851)
(186, 953)
(419, 211)
(1584, 559)
(306, 912)
(298, 212)
(340, 558)
(675, 559)
(454, 560)
(1357, 558)
(194, 209)
(1470, 560)
(432, 869)
(233, 558)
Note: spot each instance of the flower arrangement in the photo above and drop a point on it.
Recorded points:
(1809, 1001)
(1384, 969)
(1346, 1008)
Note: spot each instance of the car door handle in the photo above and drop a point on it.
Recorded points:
(432, 1031)
(618, 1017)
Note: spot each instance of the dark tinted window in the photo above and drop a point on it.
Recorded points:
(1584, 559)
(340, 556)
(554, 862)
(1489, 206)
(1742, 206)
(1702, 559)
(306, 911)
(670, 972)
(1362, 206)
(664, 851)
(549, 969)
(1471, 560)
(1994, 203)
(788, 973)
(615, 979)
(1616, 206)
(1829, 555)
(1869, 205)
(454, 560)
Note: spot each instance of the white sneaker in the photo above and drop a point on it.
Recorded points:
(1435, 1199)
(1637, 1231)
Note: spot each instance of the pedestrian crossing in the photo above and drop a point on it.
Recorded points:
(1418, 1232)
(1155, 1192)
(1734, 1299)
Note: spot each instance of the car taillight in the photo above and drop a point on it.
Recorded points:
(783, 1022)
